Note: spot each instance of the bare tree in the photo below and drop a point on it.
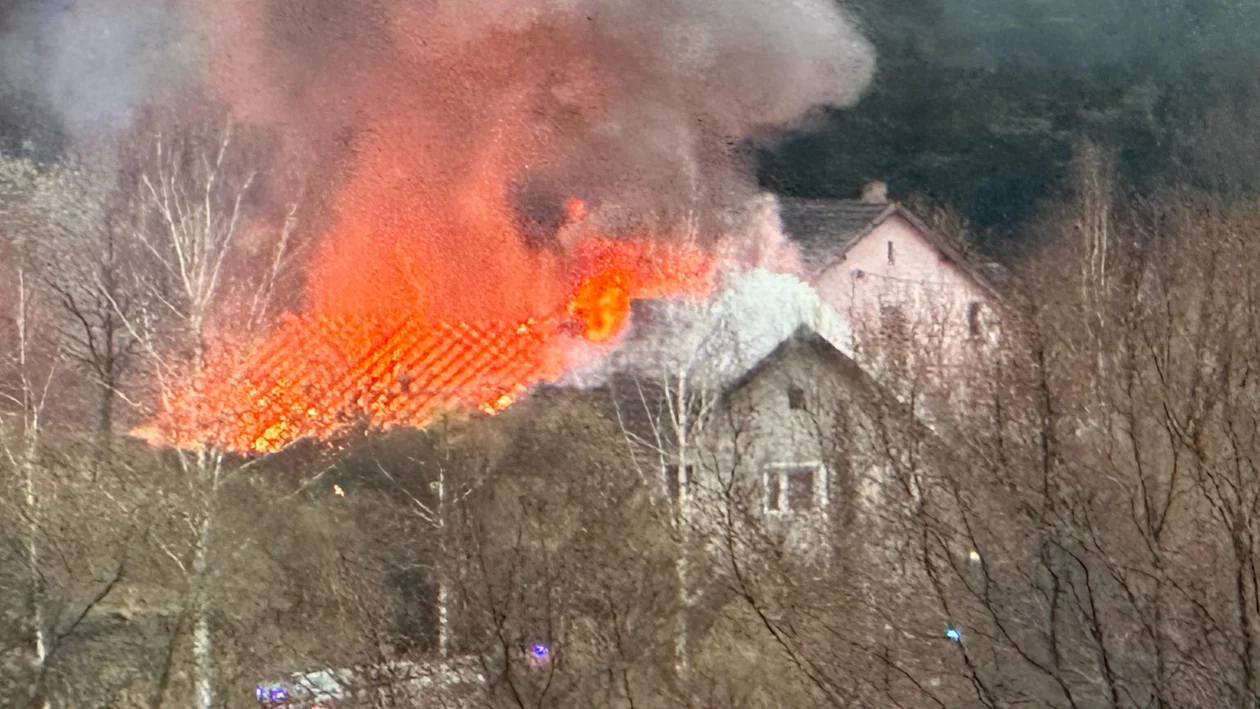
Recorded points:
(80, 216)
(68, 569)
(1088, 534)
(20, 435)
(662, 409)
(196, 197)
(560, 562)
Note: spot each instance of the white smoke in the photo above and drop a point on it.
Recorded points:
(94, 62)
(715, 341)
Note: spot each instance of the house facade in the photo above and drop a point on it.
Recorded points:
(789, 444)
(915, 302)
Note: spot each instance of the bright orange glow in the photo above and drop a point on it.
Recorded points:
(616, 272)
(425, 293)
(318, 375)
(602, 304)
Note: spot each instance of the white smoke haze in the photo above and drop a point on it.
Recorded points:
(715, 341)
(95, 62)
(758, 238)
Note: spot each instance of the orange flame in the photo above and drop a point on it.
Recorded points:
(424, 295)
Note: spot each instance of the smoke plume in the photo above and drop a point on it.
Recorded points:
(459, 132)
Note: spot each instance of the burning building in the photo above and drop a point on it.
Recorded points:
(502, 180)
(317, 375)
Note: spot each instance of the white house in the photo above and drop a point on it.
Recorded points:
(910, 295)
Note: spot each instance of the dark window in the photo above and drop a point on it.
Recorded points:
(790, 489)
(672, 481)
(891, 257)
(796, 398)
(973, 319)
(800, 489)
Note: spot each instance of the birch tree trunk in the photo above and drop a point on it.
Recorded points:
(24, 458)
(1094, 192)
(443, 591)
(681, 425)
(202, 644)
(676, 406)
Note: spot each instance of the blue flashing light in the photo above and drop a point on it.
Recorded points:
(953, 633)
(271, 694)
(540, 651)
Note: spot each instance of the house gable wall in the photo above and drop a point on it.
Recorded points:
(758, 437)
(896, 287)
(917, 275)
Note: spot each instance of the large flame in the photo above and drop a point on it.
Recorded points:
(428, 292)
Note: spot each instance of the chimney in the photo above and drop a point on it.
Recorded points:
(875, 192)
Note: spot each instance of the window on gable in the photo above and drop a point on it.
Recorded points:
(792, 488)
(800, 489)
(892, 257)
(672, 482)
(796, 398)
(973, 319)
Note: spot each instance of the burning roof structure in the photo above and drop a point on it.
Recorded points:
(505, 178)
(317, 374)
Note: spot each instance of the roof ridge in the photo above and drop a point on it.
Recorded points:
(835, 234)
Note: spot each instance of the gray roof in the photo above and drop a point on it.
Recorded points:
(825, 228)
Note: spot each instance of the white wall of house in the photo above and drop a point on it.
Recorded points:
(894, 279)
